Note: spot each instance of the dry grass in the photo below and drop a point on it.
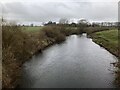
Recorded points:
(19, 46)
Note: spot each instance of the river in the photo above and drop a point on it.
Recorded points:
(76, 63)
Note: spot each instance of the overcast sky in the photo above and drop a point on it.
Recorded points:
(45, 10)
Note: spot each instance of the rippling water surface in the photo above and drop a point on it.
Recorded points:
(76, 63)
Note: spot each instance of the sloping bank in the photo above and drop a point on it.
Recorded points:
(19, 46)
(109, 40)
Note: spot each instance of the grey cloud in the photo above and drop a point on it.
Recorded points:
(55, 10)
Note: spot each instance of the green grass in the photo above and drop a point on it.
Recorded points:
(107, 39)
(111, 36)
(32, 29)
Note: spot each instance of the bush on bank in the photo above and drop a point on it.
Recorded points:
(19, 46)
(14, 51)
(55, 32)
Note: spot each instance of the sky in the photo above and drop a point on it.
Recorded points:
(36, 11)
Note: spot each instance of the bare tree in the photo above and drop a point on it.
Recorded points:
(82, 24)
(63, 21)
(83, 21)
(32, 25)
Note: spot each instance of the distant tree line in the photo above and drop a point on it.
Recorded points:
(83, 22)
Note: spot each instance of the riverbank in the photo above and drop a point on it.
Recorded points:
(76, 63)
(20, 46)
(109, 40)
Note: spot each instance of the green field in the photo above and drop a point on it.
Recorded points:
(32, 29)
(107, 39)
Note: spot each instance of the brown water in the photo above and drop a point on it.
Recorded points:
(76, 63)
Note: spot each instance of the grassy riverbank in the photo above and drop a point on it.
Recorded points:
(109, 40)
(21, 43)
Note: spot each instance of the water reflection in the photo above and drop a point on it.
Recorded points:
(76, 63)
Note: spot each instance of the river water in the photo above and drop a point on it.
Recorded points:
(76, 63)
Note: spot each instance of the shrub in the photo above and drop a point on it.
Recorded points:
(54, 32)
(60, 37)
(16, 40)
(50, 31)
